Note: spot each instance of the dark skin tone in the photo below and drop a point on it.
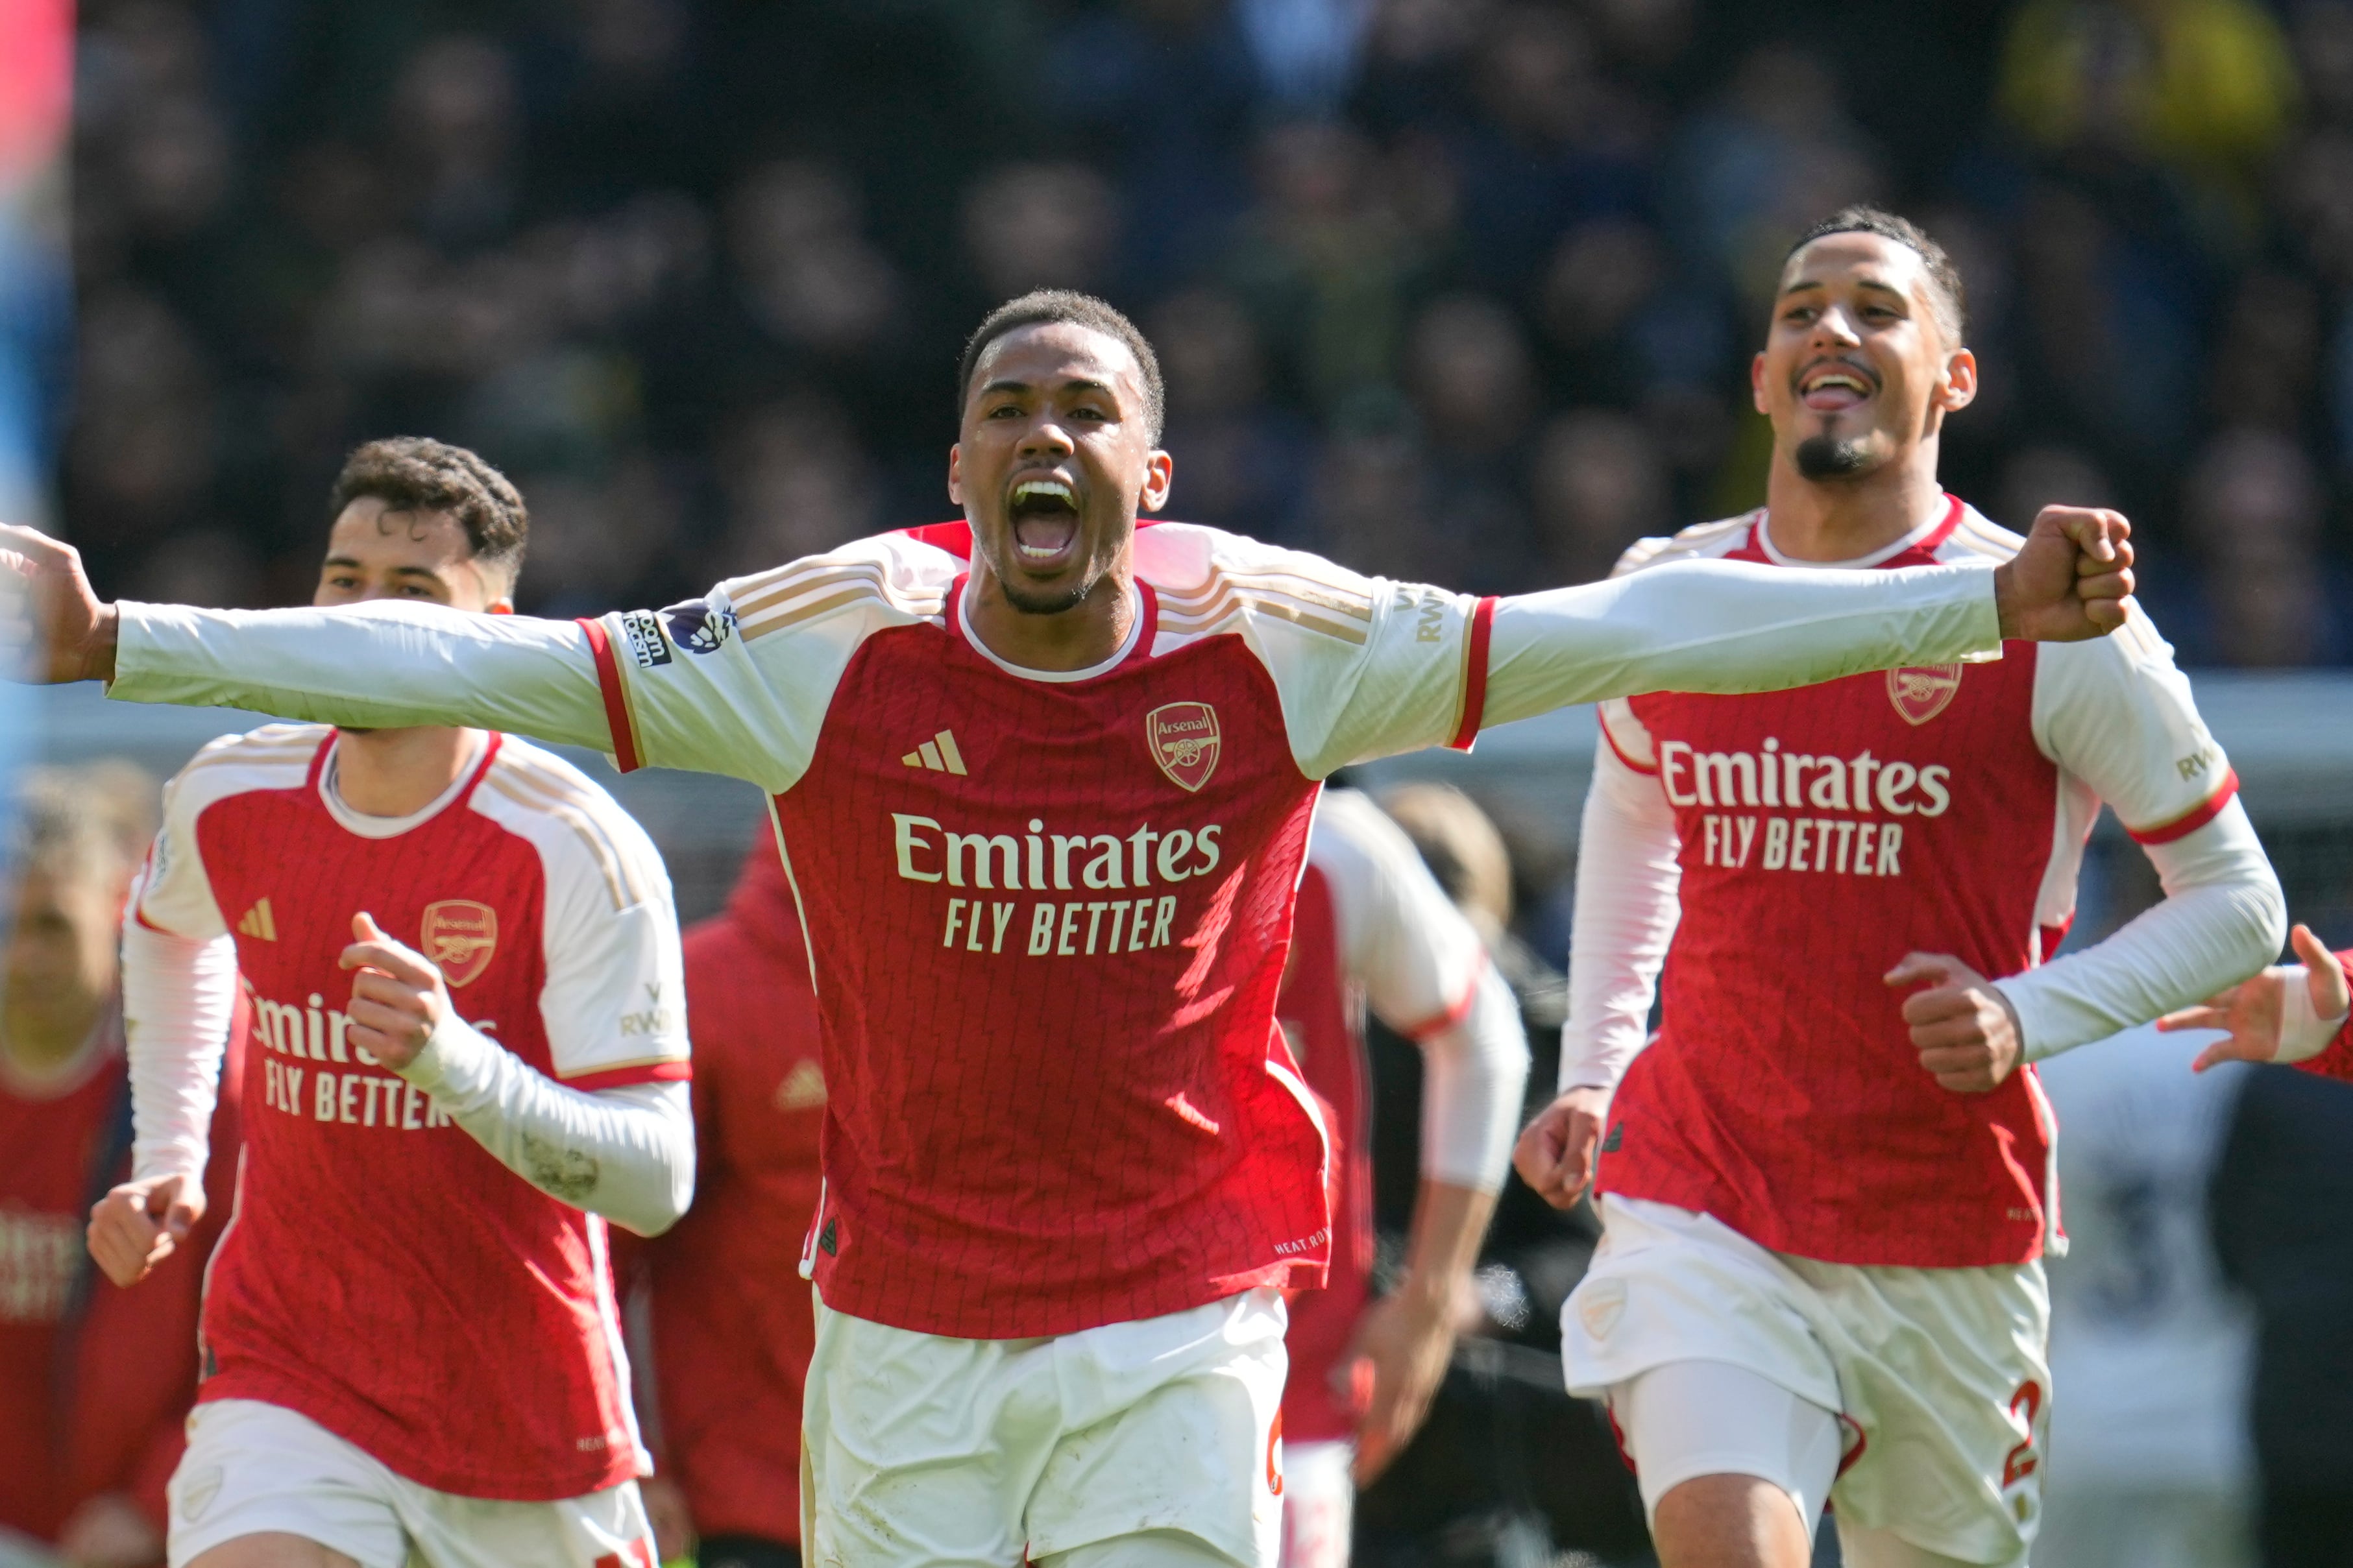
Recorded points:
(1055, 459)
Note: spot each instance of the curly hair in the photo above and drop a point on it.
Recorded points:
(416, 473)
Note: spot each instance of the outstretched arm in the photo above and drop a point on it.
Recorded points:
(1723, 627)
(380, 666)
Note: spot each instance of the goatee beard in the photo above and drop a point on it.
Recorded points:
(1833, 457)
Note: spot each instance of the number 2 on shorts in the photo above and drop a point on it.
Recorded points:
(2019, 1462)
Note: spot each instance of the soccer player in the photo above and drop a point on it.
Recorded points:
(1373, 928)
(731, 1336)
(1042, 780)
(468, 1053)
(94, 1384)
(1824, 1201)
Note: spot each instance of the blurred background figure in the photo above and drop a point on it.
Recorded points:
(2150, 1460)
(2281, 1193)
(1509, 1470)
(95, 1383)
(729, 1328)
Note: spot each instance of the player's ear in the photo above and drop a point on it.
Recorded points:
(1159, 473)
(1756, 384)
(956, 473)
(1957, 387)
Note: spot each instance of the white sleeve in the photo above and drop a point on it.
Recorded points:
(626, 1154)
(1730, 627)
(1629, 880)
(613, 1001)
(1425, 974)
(2118, 716)
(179, 995)
(2222, 918)
(1474, 1072)
(380, 665)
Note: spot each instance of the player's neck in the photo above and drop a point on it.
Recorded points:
(398, 772)
(1845, 519)
(1080, 637)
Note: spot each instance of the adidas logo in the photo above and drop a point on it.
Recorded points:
(256, 922)
(802, 1089)
(939, 754)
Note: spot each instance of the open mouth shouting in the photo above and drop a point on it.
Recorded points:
(1044, 511)
(1831, 385)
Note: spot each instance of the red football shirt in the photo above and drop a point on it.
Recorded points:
(1824, 833)
(732, 1331)
(95, 1383)
(1107, 857)
(385, 1276)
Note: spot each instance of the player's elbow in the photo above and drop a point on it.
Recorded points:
(2260, 906)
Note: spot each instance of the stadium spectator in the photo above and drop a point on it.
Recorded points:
(2253, 515)
(95, 1383)
(730, 1327)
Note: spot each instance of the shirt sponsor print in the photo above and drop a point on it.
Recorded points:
(311, 1041)
(1860, 787)
(1043, 861)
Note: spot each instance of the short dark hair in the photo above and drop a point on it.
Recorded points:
(416, 473)
(1951, 302)
(1041, 307)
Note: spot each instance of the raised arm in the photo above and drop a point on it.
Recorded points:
(1724, 626)
(379, 665)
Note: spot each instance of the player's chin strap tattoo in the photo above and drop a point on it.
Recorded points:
(626, 1154)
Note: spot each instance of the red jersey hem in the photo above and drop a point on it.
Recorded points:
(884, 1304)
(1475, 675)
(494, 1486)
(674, 1072)
(2190, 821)
(617, 700)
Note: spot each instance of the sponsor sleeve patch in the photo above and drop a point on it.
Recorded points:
(647, 645)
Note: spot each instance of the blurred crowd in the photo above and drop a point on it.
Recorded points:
(1463, 289)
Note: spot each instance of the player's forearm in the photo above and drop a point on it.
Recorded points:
(2222, 919)
(178, 998)
(1628, 879)
(1474, 1074)
(1724, 626)
(380, 666)
(1449, 1222)
(625, 1154)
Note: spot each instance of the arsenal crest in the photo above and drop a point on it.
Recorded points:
(1184, 740)
(459, 937)
(1923, 692)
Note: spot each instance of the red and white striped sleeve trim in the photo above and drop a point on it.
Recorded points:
(1456, 1013)
(670, 1069)
(1474, 674)
(2190, 821)
(618, 718)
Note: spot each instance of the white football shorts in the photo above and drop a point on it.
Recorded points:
(920, 1449)
(1319, 1503)
(1940, 1377)
(253, 1467)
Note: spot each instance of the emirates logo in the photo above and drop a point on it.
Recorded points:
(1184, 740)
(461, 937)
(1923, 692)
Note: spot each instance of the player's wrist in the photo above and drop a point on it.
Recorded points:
(100, 646)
